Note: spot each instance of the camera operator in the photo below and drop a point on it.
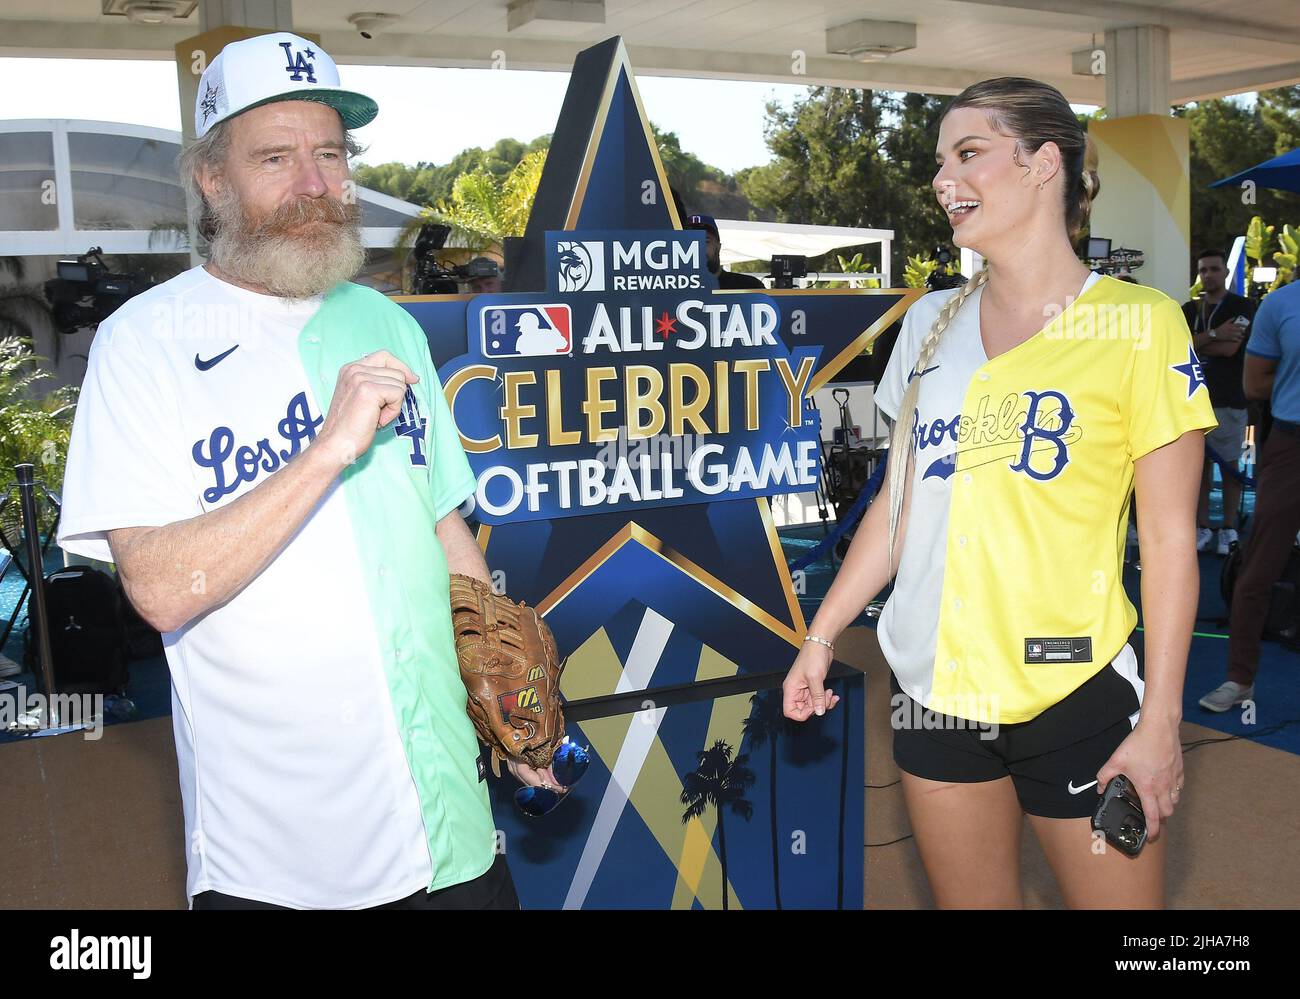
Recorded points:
(484, 276)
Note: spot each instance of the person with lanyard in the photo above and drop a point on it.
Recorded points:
(1220, 325)
(1001, 520)
(1271, 373)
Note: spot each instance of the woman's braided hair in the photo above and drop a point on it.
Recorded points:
(1033, 113)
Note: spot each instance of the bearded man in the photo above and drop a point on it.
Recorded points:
(264, 450)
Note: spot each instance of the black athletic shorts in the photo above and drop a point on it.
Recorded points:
(1052, 759)
(495, 889)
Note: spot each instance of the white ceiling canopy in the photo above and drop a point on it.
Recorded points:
(1215, 49)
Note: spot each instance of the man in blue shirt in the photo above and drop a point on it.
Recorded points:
(1272, 372)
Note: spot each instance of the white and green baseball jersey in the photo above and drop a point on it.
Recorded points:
(1009, 594)
(326, 760)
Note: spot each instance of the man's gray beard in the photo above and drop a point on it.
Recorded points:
(286, 265)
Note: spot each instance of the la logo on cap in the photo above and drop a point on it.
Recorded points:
(298, 64)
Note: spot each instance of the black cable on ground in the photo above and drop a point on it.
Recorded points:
(872, 846)
(1198, 743)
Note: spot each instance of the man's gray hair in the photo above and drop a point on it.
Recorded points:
(209, 153)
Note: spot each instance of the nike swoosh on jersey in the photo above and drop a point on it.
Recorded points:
(203, 365)
(1078, 790)
(923, 373)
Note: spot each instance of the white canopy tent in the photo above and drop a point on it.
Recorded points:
(761, 240)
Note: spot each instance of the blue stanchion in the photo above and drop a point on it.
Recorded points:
(850, 518)
(1228, 468)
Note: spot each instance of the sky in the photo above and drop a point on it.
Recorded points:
(425, 113)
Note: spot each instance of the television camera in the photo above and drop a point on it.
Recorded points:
(432, 276)
(86, 292)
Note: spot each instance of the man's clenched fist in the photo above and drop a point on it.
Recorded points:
(367, 396)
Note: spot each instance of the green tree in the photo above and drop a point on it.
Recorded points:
(428, 183)
(1226, 137)
(34, 427)
(853, 158)
(484, 208)
(23, 309)
(416, 184)
(1279, 110)
(706, 189)
(719, 781)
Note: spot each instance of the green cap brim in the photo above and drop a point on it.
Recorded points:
(355, 109)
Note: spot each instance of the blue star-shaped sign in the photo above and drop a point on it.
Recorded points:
(611, 321)
(604, 184)
(1192, 370)
(310, 54)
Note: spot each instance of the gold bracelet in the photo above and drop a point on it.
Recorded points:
(819, 641)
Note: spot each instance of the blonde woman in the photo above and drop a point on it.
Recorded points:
(1029, 404)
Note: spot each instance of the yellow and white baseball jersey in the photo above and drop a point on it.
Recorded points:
(1009, 593)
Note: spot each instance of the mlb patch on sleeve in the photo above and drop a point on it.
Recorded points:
(1058, 650)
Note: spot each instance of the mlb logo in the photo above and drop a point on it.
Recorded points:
(1035, 649)
(580, 265)
(527, 331)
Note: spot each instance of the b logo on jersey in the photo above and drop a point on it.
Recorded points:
(527, 331)
(1029, 430)
(411, 424)
(298, 64)
(523, 699)
(1044, 453)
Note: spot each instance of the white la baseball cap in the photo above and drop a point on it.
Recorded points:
(275, 67)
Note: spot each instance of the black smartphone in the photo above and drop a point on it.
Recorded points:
(1119, 815)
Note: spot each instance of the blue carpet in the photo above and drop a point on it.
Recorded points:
(1277, 686)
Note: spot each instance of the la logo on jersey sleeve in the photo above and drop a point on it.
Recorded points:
(410, 424)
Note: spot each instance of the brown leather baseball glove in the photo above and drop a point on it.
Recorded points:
(511, 671)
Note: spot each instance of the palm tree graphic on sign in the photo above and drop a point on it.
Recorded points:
(765, 724)
(719, 781)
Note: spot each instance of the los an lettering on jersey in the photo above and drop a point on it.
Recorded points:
(1009, 594)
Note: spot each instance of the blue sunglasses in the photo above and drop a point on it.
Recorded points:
(568, 765)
